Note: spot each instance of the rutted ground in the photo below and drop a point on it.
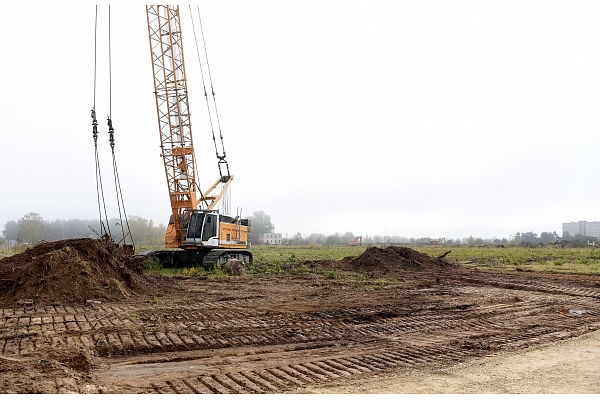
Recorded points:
(299, 332)
(568, 366)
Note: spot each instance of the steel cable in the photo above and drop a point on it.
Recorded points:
(221, 158)
(207, 105)
(119, 193)
(99, 187)
(211, 82)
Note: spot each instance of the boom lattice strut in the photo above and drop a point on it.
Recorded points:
(175, 127)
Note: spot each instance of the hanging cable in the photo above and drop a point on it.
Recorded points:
(120, 201)
(211, 82)
(111, 135)
(221, 157)
(104, 229)
(207, 104)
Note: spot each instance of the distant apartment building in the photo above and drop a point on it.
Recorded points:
(271, 238)
(583, 228)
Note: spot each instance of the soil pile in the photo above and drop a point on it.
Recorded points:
(72, 270)
(392, 258)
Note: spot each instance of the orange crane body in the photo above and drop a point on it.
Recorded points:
(197, 231)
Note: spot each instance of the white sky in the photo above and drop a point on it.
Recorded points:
(381, 119)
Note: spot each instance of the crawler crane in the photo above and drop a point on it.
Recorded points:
(196, 228)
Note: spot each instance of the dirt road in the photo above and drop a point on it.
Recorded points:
(425, 328)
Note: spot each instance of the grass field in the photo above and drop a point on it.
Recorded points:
(578, 260)
(6, 251)
(547, 259)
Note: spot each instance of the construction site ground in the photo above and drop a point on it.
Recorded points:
(389, 321)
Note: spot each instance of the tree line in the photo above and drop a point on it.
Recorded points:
(261, 223)
(32, 229)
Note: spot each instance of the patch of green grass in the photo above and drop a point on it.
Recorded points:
(208, 272)
(303, 269)
(289, 254)
(6, 251)
(152, 264)
(331, 275)
(544, 259)
(289, 260)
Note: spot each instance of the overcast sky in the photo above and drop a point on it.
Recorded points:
(415, 120)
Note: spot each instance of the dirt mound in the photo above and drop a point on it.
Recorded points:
(391, 258)
(72, 270)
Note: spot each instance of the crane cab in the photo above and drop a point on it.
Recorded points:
(210, 229)
(202, 228)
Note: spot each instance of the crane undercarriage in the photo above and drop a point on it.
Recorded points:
(206, 258)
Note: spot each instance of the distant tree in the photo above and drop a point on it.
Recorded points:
(471, 241)
(59, 229)
(347, 238)
(158, 237)
(141, 229)
(11, 230)
(530, 237)
(333, 240)
(401, 239)
(316, 238)
(32, 228)
(144, 231)
(69, 229)
(547, 237)
(580, 240)
(80, 228)
(261, 223)
(297, 239)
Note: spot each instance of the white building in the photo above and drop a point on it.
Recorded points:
(583, 228)
(271, 238)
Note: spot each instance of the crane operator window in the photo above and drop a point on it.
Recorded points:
(195, 227)
(210, 227)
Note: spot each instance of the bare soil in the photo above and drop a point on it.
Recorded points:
(430, 327)
(72, 271)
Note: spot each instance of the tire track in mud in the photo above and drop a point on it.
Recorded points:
(489, 314)
(23, 334)
(449, 335)
(116, 336)
(283, 375)
(568, 287)
(289, 376)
